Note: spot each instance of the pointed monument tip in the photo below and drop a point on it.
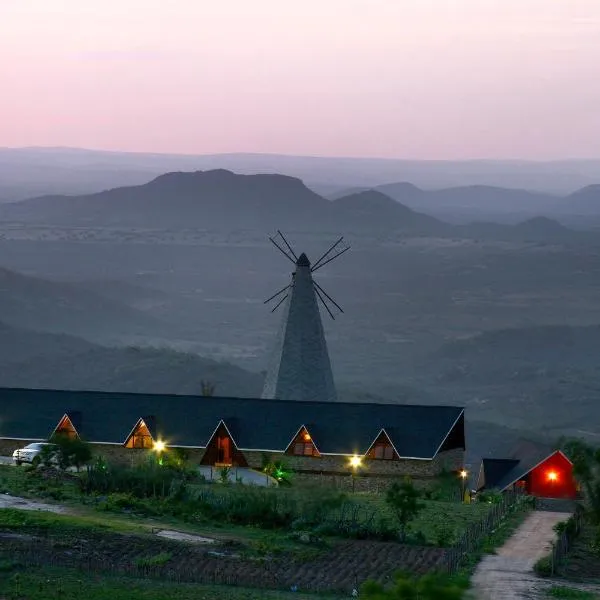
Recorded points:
(303, 261)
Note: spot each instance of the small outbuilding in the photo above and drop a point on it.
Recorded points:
(537, 469)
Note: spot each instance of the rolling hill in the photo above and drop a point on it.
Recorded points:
(585, 201)
(478, 197)
(225, 201)
(46, 360)
(57, 307)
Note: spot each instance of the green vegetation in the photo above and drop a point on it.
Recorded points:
(586, 468)
(403, 500)
(157, 560)
(407, 586)
(69, 584)
(174, 493)
(559, 591)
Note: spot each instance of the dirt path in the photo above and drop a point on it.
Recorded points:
(508, 575)
(7, 501)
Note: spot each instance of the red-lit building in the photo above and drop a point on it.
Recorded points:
(539, 470)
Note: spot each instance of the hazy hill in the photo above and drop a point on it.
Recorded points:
(21, 345)
(45, 360)
(225, 201)
(197, 200)
(478, 197)
(382, 212)
(51, 306)
(536, 229)
(546, 378)
(585, 201)
(550, 346)
(221, 199)
(34, 166)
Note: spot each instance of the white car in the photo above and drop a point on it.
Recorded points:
(29, 453)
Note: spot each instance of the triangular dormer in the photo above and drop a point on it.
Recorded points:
(382, 448)
(222, 451)
(140, 436)
(66, 427)
(302, 444)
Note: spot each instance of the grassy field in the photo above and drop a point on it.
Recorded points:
(69, 584)
(439, 523)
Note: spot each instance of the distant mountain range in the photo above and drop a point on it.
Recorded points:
(224, 200)
(489, 199)
(27, 172)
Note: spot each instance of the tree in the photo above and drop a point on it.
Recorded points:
(586, 469)
(403, 500)
(70, 451)
(207, 388)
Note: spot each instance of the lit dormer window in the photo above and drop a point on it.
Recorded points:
(382, 448)
(303, 444)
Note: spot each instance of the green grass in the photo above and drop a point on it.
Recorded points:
(69, 584)
(157, 560)
(559, 591)
(440, 522)
(23, 520)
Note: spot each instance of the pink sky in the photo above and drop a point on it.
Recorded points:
(387, 78)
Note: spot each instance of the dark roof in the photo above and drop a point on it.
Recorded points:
(255, 424)
(524, 457)
(495, 469)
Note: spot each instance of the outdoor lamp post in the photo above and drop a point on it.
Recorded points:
(463, 477)
(355, 463)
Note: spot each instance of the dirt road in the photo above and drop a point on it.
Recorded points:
(508, 575)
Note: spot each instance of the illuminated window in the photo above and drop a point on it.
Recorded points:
(66, 428)
(140, 437)
(382, 449)
(303, 445)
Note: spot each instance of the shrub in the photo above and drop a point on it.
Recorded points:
(543, 567)
(158, 560)
(69, 452)
(403, 500)
(407, 586)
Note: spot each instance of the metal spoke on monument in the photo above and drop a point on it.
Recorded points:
(279, 303)
(318, 289)
(287, 287)
(287, 245)
(324, 303)
(331, 254)
(286, 254)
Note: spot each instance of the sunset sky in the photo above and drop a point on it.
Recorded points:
(382, 78)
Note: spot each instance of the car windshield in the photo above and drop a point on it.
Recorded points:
(35, 446)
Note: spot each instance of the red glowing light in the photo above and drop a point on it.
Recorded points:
(552, 476)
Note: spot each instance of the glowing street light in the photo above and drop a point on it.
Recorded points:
(463, 474)
(159, 446)
(355, 462)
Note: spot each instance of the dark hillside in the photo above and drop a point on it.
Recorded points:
(50, 306)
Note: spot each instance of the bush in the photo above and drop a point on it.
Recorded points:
(158, 560)
(407, 586)
(543, 567)
(68, 452)
(403, 500)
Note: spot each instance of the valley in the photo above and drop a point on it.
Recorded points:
(415, 300)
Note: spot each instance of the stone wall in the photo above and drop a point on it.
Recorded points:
(333, 471)
(373, 475)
